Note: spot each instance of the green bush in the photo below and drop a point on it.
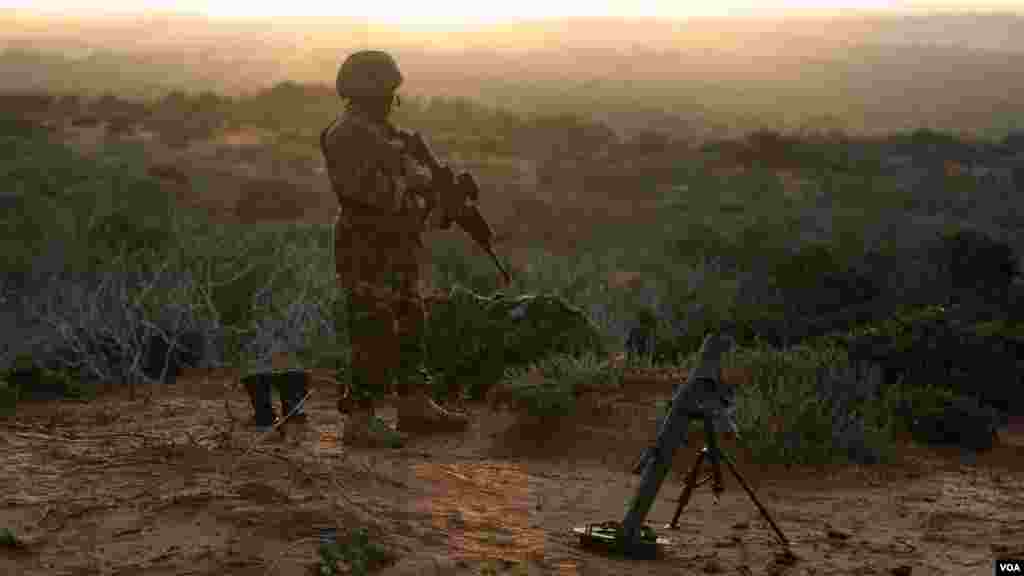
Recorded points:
(936, 415)
(83, 214)
(945, 346)
(546, 399)
(796, 411)
(94, 208)
(979, 267)
(358, 551)
(8, 398)
(549, 388)
(473, 339)
(917, 401)
(234, 298)
(26, 381)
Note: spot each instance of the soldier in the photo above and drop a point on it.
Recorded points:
(385, 206)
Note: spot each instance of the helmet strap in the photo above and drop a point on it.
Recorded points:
(376, 107)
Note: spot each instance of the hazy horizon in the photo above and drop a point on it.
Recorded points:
(866, 72)
(449, 14)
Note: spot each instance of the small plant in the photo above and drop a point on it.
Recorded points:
(541, 391)
(520, 569)
(9, 539)
(77, 389)
(545, 400)
(329, 558)
(359, 552)
(28, 381)
(549, 388)
(8, 398)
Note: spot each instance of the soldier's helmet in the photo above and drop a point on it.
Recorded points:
(368, 73)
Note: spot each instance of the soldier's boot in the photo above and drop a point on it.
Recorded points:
(419, 414)
(364, 430)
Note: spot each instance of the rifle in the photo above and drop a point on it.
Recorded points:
(458, 196)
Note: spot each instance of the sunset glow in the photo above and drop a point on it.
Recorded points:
(449, 12)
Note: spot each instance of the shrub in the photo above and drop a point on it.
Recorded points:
(235, 297)
(473, 339)
(28, 381)
(362, 554)
(549, 388)
(129, 233)
(809, 406)
(944, 346)
(936, 415)
(980, 268)
(811, 281)
(8, 398)
(95, 209)
(106, 267)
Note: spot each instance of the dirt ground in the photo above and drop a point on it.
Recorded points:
(178, 483)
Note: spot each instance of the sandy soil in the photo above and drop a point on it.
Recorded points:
(177, 483)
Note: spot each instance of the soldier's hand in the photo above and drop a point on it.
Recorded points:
(417, 175)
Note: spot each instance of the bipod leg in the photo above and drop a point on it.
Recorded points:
(688, 486)
(715, 454)
(753, 498)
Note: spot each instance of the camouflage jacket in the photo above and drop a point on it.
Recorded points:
(367, 163)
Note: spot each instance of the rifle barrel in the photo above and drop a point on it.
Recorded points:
(494, 257)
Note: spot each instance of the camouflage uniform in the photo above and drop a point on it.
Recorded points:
(385, 199)
(377, 253)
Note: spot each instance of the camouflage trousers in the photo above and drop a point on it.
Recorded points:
(377, 261)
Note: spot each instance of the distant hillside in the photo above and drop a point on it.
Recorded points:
(698, 77)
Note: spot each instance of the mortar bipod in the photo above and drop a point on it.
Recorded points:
(716, 454)
(701, 389)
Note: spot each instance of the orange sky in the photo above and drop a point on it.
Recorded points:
(455, 12)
